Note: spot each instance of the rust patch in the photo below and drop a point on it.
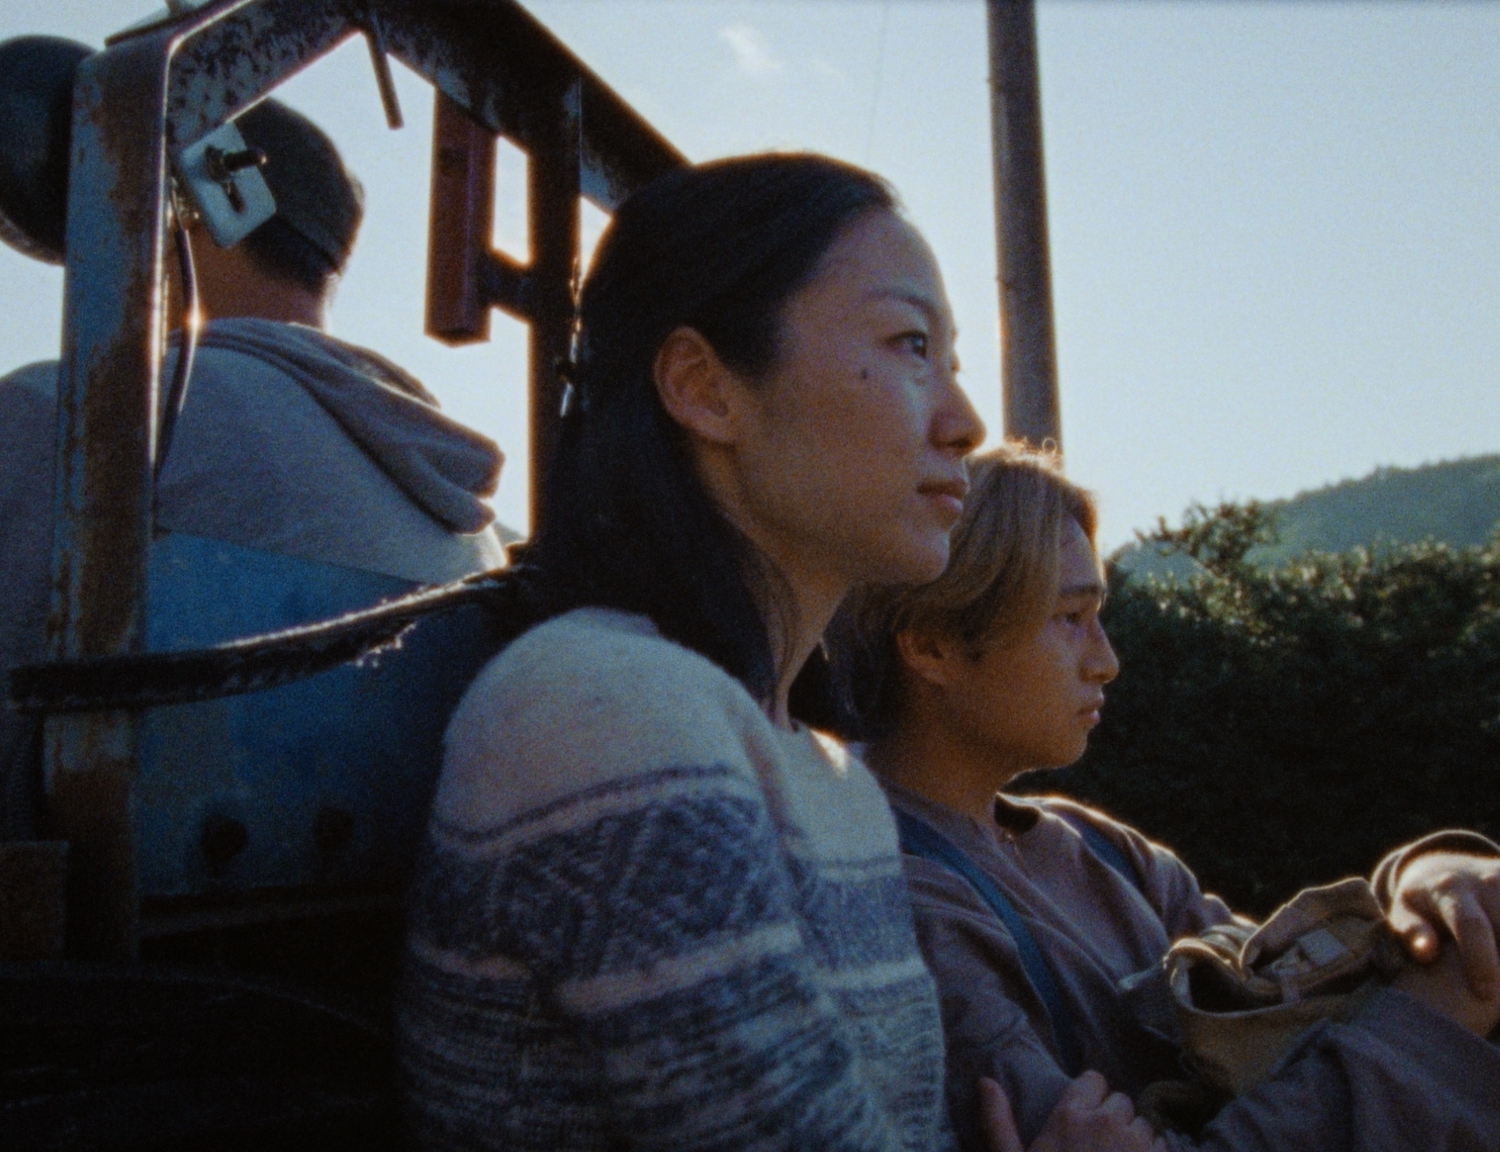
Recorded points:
(226, 61)
(109, 371)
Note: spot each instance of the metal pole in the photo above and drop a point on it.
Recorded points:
(1029, 347)
(106, 405)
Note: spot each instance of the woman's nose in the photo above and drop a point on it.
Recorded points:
(957, 427)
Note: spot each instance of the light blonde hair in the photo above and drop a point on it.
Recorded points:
(1000, 581)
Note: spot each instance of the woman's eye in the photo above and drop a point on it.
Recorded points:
(916, 342)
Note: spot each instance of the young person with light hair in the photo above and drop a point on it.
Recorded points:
(999, 667)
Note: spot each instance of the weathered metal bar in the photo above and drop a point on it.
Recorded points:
(231, 57)
(107, 391)
(554, 180)
(519, 81)
(460, 224)
(507, 285)
(389, 101)
(128, 110)
(1029, 346)
(491, 55)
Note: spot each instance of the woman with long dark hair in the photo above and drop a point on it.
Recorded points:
(656, 912)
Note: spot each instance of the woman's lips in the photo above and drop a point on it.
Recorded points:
(952, 506)
(947, 495)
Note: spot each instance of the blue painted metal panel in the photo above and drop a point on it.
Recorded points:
(322, 783)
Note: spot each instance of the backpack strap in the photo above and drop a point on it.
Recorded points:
(1104, 848)
(919, 838)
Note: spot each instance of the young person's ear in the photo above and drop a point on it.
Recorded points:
(697, 389)
(930, 656)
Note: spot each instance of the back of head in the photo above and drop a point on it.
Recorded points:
(1001, 578)
(319, 205)
(719, 248)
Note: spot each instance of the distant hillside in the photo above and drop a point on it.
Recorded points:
(1457, 502)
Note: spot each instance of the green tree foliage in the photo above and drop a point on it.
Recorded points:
(1283, 726)
(1457, 501)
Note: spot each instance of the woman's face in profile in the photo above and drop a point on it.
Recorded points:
(853, 465)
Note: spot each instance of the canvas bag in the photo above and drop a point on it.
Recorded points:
(1243, 996)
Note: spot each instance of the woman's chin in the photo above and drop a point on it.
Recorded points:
(902, 554)
(921, 561)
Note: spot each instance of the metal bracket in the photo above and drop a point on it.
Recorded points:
(221, 176)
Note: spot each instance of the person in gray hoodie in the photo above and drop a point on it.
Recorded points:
(290, 441)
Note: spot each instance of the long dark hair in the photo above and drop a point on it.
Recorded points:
(718, 248)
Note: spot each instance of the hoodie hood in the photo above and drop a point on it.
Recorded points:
(447, 469)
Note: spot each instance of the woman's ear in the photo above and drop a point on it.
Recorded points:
(697, 389)
(936, 659)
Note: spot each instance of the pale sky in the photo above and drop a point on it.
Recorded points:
(1274, 225)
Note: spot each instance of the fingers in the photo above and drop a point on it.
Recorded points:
(1090, 1118)
(1422, 942)
(995, 1118)
(1118, 1110)
(1474, 933)
(1087, 1092)
(1457, 896)
(1413, 918)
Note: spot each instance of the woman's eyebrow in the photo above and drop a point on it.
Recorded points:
(917, 299)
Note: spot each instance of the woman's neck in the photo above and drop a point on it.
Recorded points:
(796, 632)
(928, 760)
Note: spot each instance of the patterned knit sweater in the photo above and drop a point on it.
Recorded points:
(648, 918)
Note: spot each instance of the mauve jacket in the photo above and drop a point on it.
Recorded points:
(1395, 1076)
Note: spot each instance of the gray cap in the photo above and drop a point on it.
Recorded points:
(315, 194)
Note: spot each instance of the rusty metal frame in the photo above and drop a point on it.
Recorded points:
(163, 86)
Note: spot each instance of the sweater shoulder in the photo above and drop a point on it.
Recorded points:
(586, 699)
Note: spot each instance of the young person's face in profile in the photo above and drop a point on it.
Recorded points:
(1033, 699)
(853, 460)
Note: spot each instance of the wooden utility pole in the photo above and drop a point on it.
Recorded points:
(1028, 345)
